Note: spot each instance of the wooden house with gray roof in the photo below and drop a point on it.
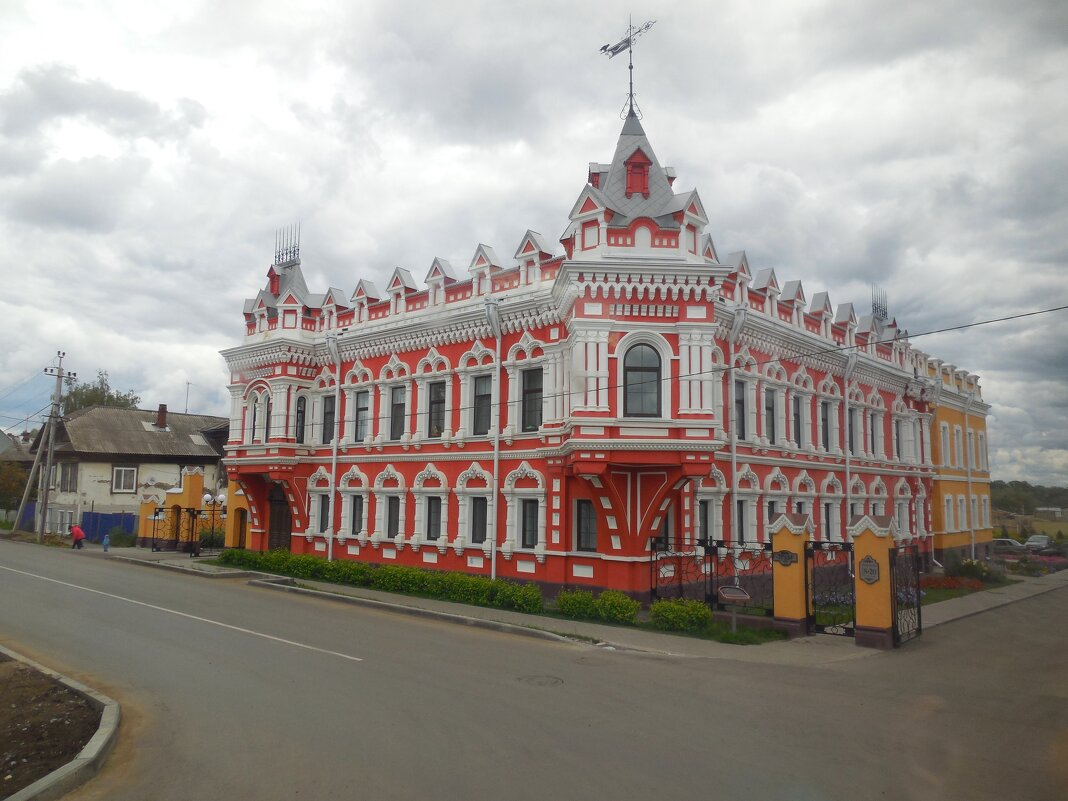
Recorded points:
(110, 460)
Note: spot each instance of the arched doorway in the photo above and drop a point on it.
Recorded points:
(279, 519)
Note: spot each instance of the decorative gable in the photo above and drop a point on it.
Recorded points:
(533, 246)
(440, 271)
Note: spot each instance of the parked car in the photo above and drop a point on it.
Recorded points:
(1004, 546)
(1040, 543)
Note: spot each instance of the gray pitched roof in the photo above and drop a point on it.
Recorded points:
(631, 138)
(132, 432)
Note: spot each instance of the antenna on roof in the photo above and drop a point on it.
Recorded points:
(878, 304)
(287, 245)
(627, 43)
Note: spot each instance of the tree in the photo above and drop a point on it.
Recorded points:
(97, 393)
(12, 483)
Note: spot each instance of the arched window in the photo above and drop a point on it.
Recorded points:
(641, 382)
(302, 414)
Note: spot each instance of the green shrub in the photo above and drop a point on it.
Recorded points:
(680, 615)
(118, 538)
(577, 604)
(617, 607)
(459, 587)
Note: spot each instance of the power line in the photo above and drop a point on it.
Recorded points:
(720, 369)
(21, 383)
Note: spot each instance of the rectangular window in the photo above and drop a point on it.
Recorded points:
(324, 512)
(586, 525)
(704, 519)
(392, 516)
(433, 517)
(663, 539)
(480, 412)
(363, 414)
(772, 511)
(872, 424)
(396, 413)
(124, 479)
(797, 420)
(897, 441)
(971, 449)
(740, 533)
(328, 419)
(68, 477)
(478, 520)
(828, 521)
(435, 394)
(851, 430)
(357, 514)
(532, 399)
(769, 416)
(529, 511)
(739, 408)
(948, 524)
(825, 425)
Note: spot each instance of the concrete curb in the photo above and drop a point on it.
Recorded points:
(289, 585)
(84, 766)
(189, 571)
(1001, 602)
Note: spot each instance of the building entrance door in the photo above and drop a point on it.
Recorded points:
(279, 519)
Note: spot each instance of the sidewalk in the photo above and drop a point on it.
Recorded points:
(804, 651)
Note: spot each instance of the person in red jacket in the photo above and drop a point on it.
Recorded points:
(77, 536)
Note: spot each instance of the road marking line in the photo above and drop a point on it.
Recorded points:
(186, 615)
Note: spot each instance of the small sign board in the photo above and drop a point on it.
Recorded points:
(868, 570)
(732, 594)
(784, 558)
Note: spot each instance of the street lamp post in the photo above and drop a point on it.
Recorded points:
(212, 503)
(493, 318)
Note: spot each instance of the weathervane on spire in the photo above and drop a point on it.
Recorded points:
(627, 43)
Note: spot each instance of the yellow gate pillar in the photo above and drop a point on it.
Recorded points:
(872, 542)
(789, 533)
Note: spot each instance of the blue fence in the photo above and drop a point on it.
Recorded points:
(97, 524)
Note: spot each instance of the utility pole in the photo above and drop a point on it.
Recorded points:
(53, 421)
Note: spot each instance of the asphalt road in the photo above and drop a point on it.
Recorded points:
(235, 692)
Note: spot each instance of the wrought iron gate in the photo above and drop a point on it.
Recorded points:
(829, 588)
(678, 571)
(746, 565)
(905, 593)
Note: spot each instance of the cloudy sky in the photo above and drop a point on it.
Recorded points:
(149, 151)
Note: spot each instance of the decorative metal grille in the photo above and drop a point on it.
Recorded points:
(905, 593)
(678, 573)
(830, 589)
(747, 565)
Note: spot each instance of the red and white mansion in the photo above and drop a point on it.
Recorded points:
(648, 388)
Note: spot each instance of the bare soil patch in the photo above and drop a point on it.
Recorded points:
(43, 725)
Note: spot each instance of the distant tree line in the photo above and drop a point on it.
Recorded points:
(1023, 498)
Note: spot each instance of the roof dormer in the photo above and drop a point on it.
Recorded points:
(637, 165)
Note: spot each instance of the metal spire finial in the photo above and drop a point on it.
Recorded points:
(627, 43)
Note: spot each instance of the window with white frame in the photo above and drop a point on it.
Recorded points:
(948, 513)
(393, 504)
(390, 494)
(431, 491)
(983, 464)
(397, 409)
(435, 394)
(123, 478)
(521, 485)
(482, 400)
(531, 398)
(585, 526)
(743, 532)
(947, 456)
(741, 408)
(68, 477)
(958, 447)
(641, 381)
(826, 419)
(300, 418)
(529, 526)
(362, 414)
(357, 518)
(796, 419)
(975, 511)
(962, 512)
(324, 513)
(986, 512)
(479, 516)
(831, 523)
(971, 449)
(329, 419)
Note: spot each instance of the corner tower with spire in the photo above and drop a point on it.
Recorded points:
(629, 208)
